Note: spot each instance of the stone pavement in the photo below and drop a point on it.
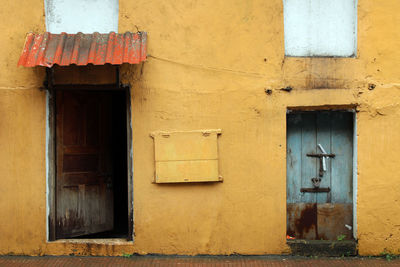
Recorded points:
(169, 261)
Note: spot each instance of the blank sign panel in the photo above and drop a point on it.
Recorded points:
(87, 16)
(320, 28)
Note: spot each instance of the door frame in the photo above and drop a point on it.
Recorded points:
(344, 108)
(51, 151)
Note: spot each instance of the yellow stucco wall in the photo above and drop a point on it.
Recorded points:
(210, 62)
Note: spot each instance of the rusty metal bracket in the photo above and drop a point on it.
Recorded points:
(315, 190)
(321, 155)
(316, 182)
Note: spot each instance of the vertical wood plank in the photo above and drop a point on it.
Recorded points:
(309, 164)
(324, 139)
(293, 158)
(342, 165)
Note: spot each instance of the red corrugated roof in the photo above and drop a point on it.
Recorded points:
(65, 49)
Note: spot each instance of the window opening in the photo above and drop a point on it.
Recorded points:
(321, 28)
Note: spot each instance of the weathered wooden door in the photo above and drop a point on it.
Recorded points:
(84, 196)
(320, 175)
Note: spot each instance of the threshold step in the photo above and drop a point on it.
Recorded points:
(328, 248)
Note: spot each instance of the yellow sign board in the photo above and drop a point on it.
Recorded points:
(186, 156)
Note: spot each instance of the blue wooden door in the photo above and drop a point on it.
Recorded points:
(320, 175)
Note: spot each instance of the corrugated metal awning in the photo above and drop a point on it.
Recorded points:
(81, 49)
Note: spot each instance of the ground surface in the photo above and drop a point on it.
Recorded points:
(250, 261)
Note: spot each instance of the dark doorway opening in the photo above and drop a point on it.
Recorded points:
(91, 196)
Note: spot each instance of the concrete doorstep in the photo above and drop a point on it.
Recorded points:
(323, 248)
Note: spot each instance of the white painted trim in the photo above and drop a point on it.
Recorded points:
(48, 145)
(355, 180)
(130, 171)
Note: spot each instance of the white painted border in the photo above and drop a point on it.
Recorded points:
(355, 172)
(130, 166)
(48, 140)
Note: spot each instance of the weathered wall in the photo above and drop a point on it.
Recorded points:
(22, 134)
(209, 64)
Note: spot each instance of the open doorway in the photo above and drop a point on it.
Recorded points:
(91, 180)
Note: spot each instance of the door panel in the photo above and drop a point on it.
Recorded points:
(293, 158)
(342, 165)
(321, 214)
(332, 218)
(302, 220)
(323, 129)
(84, 197)
(308, 164)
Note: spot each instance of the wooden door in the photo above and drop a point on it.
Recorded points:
(84, 196)
(321, 208)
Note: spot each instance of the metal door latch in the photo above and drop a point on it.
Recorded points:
(322, 156)
(315, 190)
(322, 168)
(316, 182)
